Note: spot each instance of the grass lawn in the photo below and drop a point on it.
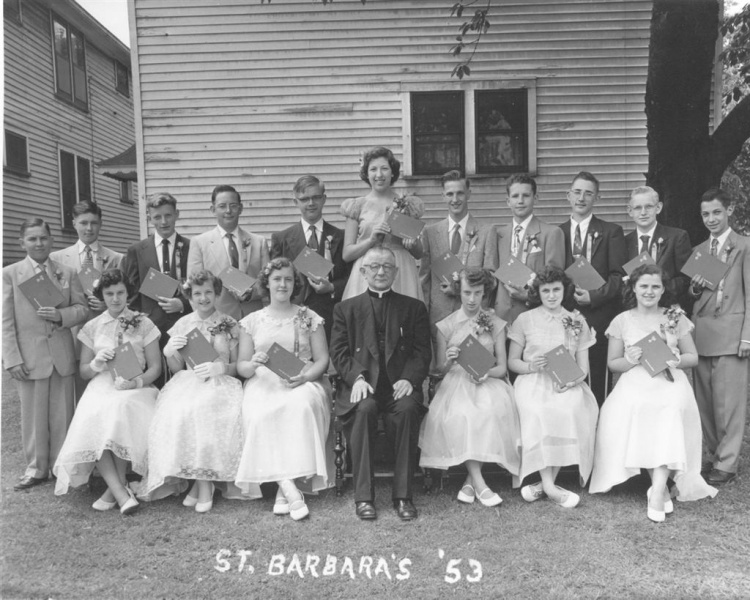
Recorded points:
(58, 547)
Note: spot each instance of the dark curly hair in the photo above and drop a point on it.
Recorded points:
(475, 276)
(628, 290)
(200, 278)
(109, 278)
(275, 265)
(379, 152)
(550, 274)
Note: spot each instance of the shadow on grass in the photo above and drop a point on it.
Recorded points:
(58, 547)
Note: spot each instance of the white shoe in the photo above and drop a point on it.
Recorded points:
(204, 507)
(533, 492)
(103, 505)
(281, 505)
(298, 509)
(131, 504)
(668, 504)
(657, 516)
(489, 498)
(569, 499)
(466, 494)
(190, 501)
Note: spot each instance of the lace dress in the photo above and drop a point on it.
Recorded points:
(107, 418)
(369, 213)
(467, 421)
(557, 429)
(285, 428)
(197, 430)
(648, 422)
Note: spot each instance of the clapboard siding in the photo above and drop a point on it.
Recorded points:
(31, 109)
(256, 95)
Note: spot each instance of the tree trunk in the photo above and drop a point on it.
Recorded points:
(678, 101)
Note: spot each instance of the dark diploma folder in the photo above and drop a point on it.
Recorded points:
(443, 267)
(125, 363)
(562, 366)
(514, 272)
(644, 258)
(87, 276)
(312, 264)
(707, 266)
(584, 275)
(474, 357)
(157, 283)
(198, 349)
(283, 363)
(236, 281)
(656, 353)
(403, 226)
(40, 291)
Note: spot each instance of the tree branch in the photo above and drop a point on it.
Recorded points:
(730, 135)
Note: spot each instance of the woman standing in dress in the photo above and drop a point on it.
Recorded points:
(558, 423)
(197, 430)
(286, 422)
(472, 421)
(650, 422)
(366, 225)
(110, 425)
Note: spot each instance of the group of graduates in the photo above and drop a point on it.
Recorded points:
(381, 321)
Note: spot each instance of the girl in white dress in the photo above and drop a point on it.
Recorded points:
(472, 421)
(366, 226)
(197, 430)
(111, 421)
(558, 423)
(649, 422)
(286, 422)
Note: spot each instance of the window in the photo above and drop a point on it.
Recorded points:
(484, 128)
(75, 184)
(16, 155)
(13, 9)
(70, 63)
(122, 79)
(126, 192)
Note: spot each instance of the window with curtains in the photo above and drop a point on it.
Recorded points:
(70, 63)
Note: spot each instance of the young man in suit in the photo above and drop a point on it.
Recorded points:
(459, 233)
(380, 346)
(527, 238)
(321, 295)
(722, 337)
(167, 251)
(87, 251)
(226, 245)
(38, 351)
(668, 246)
(603, 245)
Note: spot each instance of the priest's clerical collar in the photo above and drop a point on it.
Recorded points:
(376, 294)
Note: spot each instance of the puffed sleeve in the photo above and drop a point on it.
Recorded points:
(615, 327)
(516, 332)
(587, 337)
(352, 207)
(445, 328)
(684, 326)
(180, 328)
(88, 333)
(498, 326)
(150, 331)
(248, 324)
(234, 340)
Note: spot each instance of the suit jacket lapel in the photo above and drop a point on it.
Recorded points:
(704, 297)
(366, 318)
(504, 232)
(393, 327)
(568, 250)
(632, 242)
(470, 238)
(150, 259)
(594, 235)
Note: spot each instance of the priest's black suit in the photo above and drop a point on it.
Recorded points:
(384, 339)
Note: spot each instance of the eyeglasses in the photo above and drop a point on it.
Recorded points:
(228, 207)
(649, 208)
(306, 199)
(581, 194)
(375, 268)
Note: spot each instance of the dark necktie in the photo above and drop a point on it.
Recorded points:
(312, 241)
(88, 259)
(577, 245)
(234, 256)
(714, 246)
(456, 240)
(165, 256)
(644, 243)
(517, 240)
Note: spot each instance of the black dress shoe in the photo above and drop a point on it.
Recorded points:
(707, 466)
(366, 511)
(27, 481)
(405, 509)
(719, 477)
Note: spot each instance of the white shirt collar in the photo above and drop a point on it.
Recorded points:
(649, 233)
(306, 226)
(722, 238)
(82, 247)
(157, 240)
(463, 223)
(524, 224)
(235, 232)
(36, 265)
(377, 293)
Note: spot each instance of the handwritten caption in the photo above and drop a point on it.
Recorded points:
(372, 567)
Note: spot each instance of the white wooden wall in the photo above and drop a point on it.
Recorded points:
(31, 109)
(255, 95)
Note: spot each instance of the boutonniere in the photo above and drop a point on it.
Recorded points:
(593, 236)
(226, 326)
(482, 323)
(727, 250)
(656, 248)
(673, 314)
(303, 319)
(178, 259)
(246, 244)
(470, 243)
(409, 205)
(105, 260)
(60, 279)
(573, 326)
(530, 244)
(327, 252)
